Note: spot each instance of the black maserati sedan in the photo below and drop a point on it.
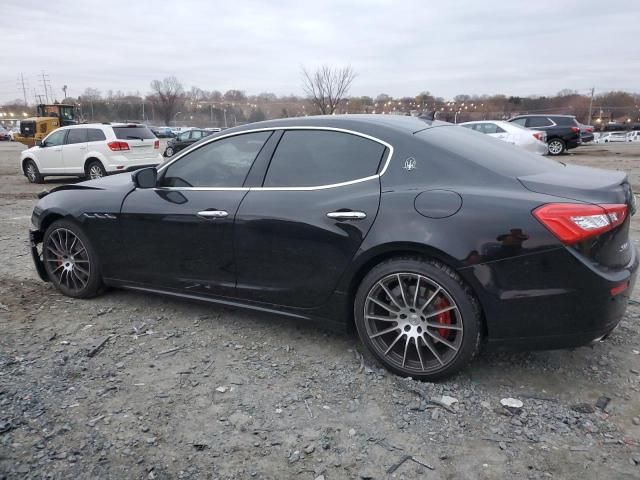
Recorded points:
(430, 239)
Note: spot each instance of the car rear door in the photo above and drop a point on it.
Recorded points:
(180, 234)
(295, 235)
(74, 150)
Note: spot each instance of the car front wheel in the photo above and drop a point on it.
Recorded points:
(70, 260)
(417, 318)
(556, 146)
(32, 172)
(168, 152)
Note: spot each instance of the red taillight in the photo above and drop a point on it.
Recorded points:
(118, 146)
(539, 136)
(575, 129)
(156, 144)
(618, 289)
(574, 222)
(589, 130)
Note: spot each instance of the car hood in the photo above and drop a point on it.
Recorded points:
(117, 182)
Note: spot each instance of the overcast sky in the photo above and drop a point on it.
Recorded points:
(396, 47)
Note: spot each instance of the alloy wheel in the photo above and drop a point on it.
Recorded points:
(413, 322)
(31, 172)
(555, 147)
(95, 172)
(67, 259)
(168, 152)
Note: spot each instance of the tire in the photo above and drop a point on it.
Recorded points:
(32, 173)
(557, 146)
(443, 319)
(96, 170)
(70, 260)
(168, 152)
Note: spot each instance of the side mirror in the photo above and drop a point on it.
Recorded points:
(145, 177)
(39, 143)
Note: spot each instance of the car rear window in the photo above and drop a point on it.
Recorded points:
(565, 121)
(133, 131)
(95, 135)
(460, 144)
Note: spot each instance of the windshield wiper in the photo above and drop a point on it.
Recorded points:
(137, 138)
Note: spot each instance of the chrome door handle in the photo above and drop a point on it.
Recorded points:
(213, 214)
(347, 215)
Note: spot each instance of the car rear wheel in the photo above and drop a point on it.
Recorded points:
(32, 172)
(96, 170)
(70, 260)
(417, 318)
(556, 146)
(168, 152)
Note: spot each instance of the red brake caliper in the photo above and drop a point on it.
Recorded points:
(443, 318)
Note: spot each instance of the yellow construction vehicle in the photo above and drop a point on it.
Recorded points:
(48, 118)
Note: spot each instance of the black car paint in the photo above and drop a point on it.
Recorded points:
(291, 259)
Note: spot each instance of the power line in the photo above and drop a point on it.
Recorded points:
(46, 84)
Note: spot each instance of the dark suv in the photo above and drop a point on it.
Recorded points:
(563, 131)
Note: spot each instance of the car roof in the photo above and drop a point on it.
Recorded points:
(542, 115)
(364, 123)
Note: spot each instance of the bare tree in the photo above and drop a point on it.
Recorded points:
(167, 95)
(327, 86)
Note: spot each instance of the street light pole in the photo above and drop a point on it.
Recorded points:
(225, 117)
(175, 121)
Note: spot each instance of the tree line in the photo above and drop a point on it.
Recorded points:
(327, 92)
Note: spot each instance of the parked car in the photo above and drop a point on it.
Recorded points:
(429, 238)
(213, 129)
(586, 133)
(532, 141)
(611, 137)
(5, 134)
(633, 136)
(563, 131)
(92, 150)
(162, 132)
(183, 140)
(178, 130)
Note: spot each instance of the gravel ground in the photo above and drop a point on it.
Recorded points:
(139, 386)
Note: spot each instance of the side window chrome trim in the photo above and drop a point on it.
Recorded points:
(389, 154)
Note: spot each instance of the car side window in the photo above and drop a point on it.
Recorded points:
(520, 121)
(196, 134)
(184, 136)
(95, 135)
(222, 163)
(55, 139)
(538, 122)
(309, 158)
(77, 135)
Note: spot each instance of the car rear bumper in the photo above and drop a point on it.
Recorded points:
(120, 163)
(549, 300)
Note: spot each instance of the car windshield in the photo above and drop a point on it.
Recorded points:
(139, 132)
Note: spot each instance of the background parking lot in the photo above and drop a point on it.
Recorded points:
(140, 386)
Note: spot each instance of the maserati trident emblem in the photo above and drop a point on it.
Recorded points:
(410, 164)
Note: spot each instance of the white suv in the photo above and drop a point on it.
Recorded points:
(92, 150)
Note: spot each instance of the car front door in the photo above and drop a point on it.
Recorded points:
(74, 150)
(50, 154)
(295, 235)
(180, 234)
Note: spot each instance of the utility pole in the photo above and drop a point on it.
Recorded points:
(24, 90)
(45, 81)
(591, 104)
